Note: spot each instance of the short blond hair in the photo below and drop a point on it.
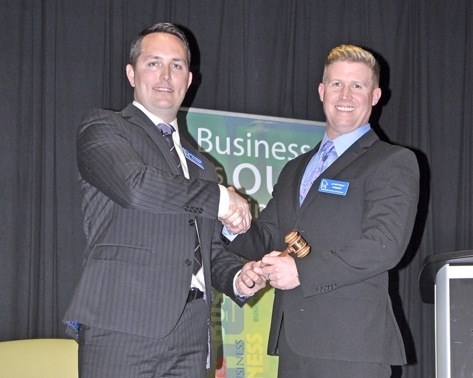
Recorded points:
(355, 54)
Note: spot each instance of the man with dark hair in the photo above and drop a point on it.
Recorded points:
(354, 200)
(151, 206)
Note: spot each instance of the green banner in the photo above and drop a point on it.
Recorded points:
(249, 152)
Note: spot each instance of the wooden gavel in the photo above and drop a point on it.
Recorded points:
(295, 244)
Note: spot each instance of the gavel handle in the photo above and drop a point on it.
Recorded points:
(287, 251)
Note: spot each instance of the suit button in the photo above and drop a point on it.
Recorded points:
(192, 223)
(188, 262)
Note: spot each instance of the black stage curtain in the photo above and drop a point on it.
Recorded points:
(60, 58)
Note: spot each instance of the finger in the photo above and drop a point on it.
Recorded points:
(245, 275)
(268, 270)
(240, 228)
(255, 277)
(225, 216)
(231, 216)
(258, 264)
(242, 286)
(267, 260)
(236, 217)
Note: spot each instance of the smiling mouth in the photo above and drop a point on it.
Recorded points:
(163, 89)
(345, 108)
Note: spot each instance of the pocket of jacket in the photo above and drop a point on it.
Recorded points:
(124, 253)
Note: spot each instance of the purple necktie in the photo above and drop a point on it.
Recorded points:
(322, 163)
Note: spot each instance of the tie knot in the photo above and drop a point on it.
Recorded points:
(165, 129)
(328, 145)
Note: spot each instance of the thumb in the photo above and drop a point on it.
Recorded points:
(270, 257)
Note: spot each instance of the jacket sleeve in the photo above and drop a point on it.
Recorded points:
(110, 159)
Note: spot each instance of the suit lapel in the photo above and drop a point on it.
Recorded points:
(194, 170)
(134, 115)
(356, 150)
(298, 174)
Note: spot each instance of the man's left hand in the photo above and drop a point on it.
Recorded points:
(281, 272)
(251, 279)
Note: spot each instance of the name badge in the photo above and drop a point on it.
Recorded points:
(194, 159)
(340, 188)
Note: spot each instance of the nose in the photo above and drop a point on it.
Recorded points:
(346, 92)
(165, 73)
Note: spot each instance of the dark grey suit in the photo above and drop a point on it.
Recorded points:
(139, 221)
(342, 309)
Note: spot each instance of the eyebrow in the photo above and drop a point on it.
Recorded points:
(160, 57)
(175, 60)
(349, 81)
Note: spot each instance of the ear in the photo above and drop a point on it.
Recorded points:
(321, 91)
(376, 96)
(130, 74)
(190, 80)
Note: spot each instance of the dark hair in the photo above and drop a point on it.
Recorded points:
(164, 27)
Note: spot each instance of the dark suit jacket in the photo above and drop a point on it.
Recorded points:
(342, 308)
(139, 214)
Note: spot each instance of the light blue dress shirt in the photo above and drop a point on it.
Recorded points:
(340, 145)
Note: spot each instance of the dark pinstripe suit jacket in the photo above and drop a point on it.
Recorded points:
(342, 309)
(138, 218)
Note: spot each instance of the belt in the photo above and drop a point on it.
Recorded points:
(194, 294)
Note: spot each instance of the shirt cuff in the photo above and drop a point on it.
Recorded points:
(224, 203)
(235, 290)
(228, 234)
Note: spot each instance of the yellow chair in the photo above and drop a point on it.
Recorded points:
(38, 358)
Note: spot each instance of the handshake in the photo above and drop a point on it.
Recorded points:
(237, 218)
(277, 268)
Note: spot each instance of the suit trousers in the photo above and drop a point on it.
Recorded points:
(292, 365)
(182, 353)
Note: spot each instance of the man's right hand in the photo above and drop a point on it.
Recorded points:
(238, 218)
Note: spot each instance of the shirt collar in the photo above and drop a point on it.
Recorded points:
(155, 119)
(344, 141)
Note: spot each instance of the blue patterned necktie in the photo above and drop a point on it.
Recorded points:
(166, 131)
(326, 151)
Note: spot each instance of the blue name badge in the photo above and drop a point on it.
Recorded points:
(340, 188)
(194, 159)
